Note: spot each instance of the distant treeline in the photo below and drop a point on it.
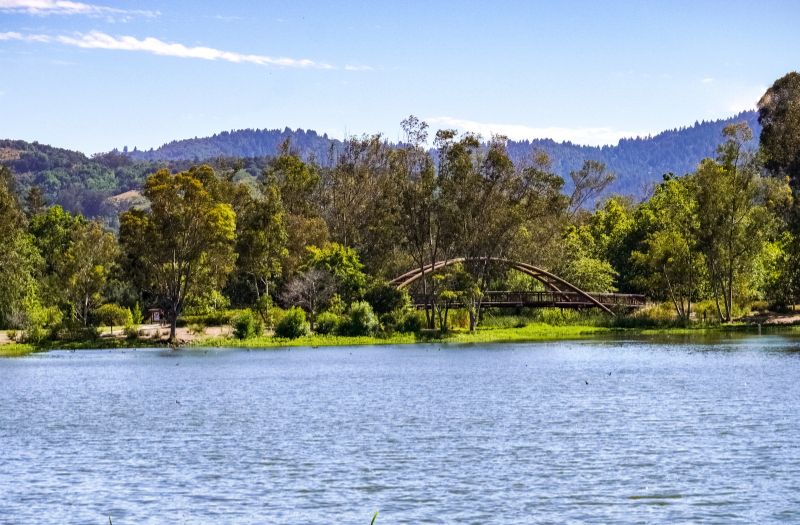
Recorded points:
(84, 184)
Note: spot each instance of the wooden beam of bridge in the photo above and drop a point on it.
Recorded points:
(546, 299)
(564, 293)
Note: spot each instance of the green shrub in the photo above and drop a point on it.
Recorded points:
(360, 321)
(34, 334)
(293, 324)
(247, 325)
(327, 323)
(276, 314)
(112, 315)
(131, 332)
(265, 310)
(197, 328)
(136, 314)
(216, 318)
(412, 322)
(385, 298)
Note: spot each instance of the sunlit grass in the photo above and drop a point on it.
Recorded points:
(532, 332)
(16, 350)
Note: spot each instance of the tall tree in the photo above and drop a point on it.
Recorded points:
(183, 245)
(419, 199)
(261, 238)
(299, 187)
(734, 221)
(779, 116)
(670, 253)
(19, 259)
(85, 268)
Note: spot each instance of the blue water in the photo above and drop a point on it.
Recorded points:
(578, 432)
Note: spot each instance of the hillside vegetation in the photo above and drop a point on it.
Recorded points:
(88, 184)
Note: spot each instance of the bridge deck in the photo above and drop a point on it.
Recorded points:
(499, 299)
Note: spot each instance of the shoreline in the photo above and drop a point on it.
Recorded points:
(534, 332)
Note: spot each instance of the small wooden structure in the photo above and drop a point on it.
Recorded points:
(155, 315)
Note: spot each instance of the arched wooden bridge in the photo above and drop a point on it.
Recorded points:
(558, 292)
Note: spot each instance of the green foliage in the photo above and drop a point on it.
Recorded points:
(214, 318)
(131, 332)
(344, 265)
(247, 325)
(361, 320)
(182, 247)
(113, 315)
(19, 259)
(136, 315)
(384, 298)
(261, 243)
(327, 323)
(582, 265)
(413, 321)
(779, 114)
(673, 265)
(293, 324)
(206, 304)
(38, 320)
(264, 308)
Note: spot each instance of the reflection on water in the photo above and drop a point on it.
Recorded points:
(589, 432)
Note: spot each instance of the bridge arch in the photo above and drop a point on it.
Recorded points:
(551, 282)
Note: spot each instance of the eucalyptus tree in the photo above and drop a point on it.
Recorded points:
(360, 206)
(261, 238)
(183, 245)
(779, 116)
(734, 220)
(84, 269)
(299, 186)
(20, 261)
(419, 198)
(670, 253)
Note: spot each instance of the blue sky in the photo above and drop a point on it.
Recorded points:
(93, 76)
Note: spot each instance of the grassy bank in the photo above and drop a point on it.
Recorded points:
(532, 332)
(16, 350)
(497, 334)
(506, 329)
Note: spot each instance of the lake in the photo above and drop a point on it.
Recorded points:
(581, 432)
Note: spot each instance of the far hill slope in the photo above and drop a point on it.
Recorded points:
(638, 162)
(84, 184)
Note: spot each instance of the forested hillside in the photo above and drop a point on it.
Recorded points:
(87, 184)
(243, 143)
(641, 162)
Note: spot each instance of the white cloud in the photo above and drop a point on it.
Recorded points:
(585, 136)
(66, 7)
(12, 35)
(99, 40)
(356, 67)
(707, 80)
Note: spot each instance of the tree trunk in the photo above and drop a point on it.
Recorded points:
(729, 297)
(173, 326)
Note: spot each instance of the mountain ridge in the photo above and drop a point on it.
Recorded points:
(82, 183)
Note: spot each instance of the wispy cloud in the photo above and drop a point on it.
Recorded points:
(707, 80)
(66, 7)
(585, 136)
(356, 67)
(155, 46)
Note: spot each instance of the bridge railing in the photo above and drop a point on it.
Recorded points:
(550, 298)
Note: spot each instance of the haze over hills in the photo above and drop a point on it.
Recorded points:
(85, 184)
